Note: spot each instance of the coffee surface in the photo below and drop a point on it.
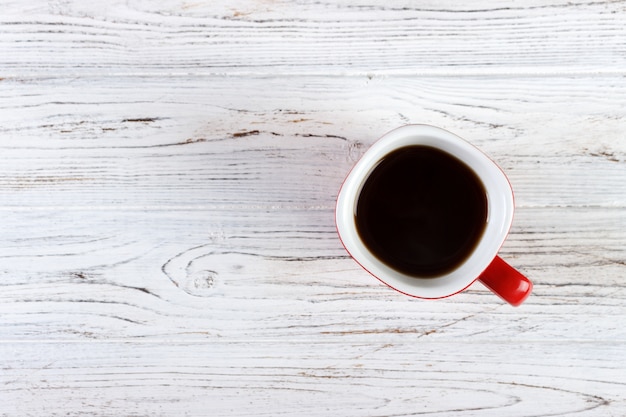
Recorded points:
(421, 211)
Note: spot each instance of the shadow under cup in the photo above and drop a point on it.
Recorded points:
(456, 176)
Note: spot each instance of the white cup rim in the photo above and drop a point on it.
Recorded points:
(500, 203)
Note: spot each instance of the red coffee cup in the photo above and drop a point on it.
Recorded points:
(481, 264)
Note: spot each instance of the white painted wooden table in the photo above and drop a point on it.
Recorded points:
(168, 171)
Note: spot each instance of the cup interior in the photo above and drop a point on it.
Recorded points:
(500, 207)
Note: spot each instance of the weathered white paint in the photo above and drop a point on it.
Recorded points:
(168, 173)
(283, 37)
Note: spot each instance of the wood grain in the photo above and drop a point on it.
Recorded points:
(224, 37)
(115, 276)
(271, 280)
(168, 172)
(401, 375)
(146, 143)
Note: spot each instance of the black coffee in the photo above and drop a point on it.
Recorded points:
(421, 211)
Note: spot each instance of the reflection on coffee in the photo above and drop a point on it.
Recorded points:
(421, 211)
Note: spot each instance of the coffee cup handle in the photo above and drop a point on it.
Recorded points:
(506, 282)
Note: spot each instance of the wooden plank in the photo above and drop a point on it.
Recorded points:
(400, 375)
(283, 275)
(60, 38)
(154, 142)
